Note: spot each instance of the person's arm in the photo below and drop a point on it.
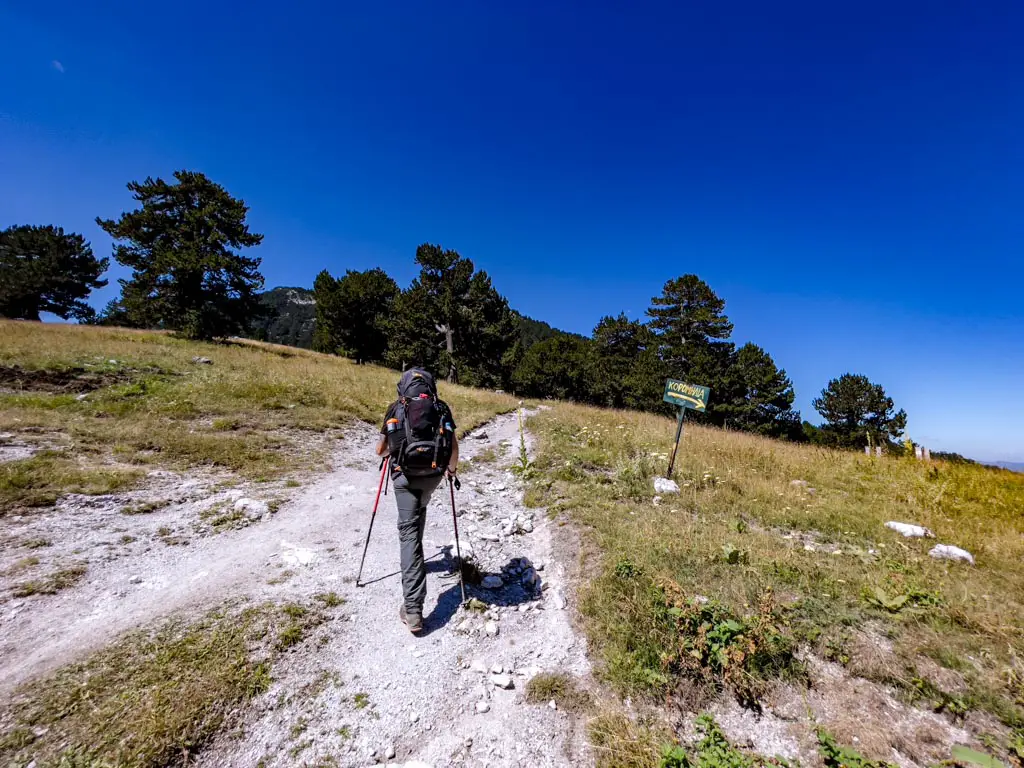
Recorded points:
(382, 446)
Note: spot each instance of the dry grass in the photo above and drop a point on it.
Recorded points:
(253, 411)
(559, 687)
(725, 538)
(151, 699)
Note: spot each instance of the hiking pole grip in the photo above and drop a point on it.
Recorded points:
(380, 486)
(458, 549)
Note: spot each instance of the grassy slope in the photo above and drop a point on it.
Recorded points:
(255, 409)
(723, 538)
(251, 411)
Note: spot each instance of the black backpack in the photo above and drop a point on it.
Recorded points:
(420, 432)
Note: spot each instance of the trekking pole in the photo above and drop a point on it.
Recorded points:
(455, 520)
(384, 464)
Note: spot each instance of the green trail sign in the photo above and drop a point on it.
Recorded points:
(686, 395)
(683, 395)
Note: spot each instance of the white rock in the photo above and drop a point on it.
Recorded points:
(530, 579)
(491, 628)
(552, 704)
(656, 501)
(497, 669)
(909, 530)
(482, 707)
(293, 555)
(665, 486)
(949, 552)
(560, 601)
(389, 753)
(502, 681)
(799, 483)
(254, 506)
(197, 361)
(478, 666)
(526, 526)
(490, 537)
(414, 717)
(492, 582)
(135, 580)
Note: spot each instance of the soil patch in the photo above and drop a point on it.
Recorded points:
(60, 380)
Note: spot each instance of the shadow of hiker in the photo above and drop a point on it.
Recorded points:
(448, 603)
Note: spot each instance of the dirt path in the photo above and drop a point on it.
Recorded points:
(369, 689)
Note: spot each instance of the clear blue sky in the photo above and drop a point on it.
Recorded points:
(850, 178)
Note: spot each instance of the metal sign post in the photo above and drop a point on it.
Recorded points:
(683, 395)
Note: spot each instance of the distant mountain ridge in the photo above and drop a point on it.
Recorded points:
(290, 315)
(1013, 466)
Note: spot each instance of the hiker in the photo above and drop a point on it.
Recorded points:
(418, 435)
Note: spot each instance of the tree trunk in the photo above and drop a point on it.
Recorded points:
(450, 346)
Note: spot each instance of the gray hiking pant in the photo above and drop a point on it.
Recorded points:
(412, 495)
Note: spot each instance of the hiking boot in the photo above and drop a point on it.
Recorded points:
(411, 619)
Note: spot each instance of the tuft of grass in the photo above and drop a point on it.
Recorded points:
(53, 583)
(144, 508)
(22, 565)
(560, 688)
(280, 578)
(150, 699)
(713, 750)
(329, 599)
(361, 700)
(38, 543)
(835, 756)
(40, 481)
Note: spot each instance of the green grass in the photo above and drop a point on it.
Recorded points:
(703, 592)
(560, 688)
(147, 700)
(53, 583)
(42, 479)
(252, 412)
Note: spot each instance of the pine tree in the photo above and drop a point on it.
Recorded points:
(181, 245)
(632, 374)
(353, 312)
(453, 321)
(42, 269)
(686, 317)
(763, 400)
(563, 367)
(858, 412)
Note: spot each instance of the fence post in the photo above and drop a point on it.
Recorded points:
(867, 450)
(878, 450)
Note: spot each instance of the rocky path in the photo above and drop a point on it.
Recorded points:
(368, 692)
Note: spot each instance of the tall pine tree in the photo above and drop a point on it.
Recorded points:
(632, 373)
(182, 246)
(453, 321)
(352, 313)
(858, 412)
(687, 317)
(42, 269)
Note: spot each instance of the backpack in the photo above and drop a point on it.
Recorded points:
(420, 432)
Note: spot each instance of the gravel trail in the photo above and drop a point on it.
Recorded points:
(367, 692)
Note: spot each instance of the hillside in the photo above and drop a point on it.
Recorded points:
(182, 522)
(290, 315)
